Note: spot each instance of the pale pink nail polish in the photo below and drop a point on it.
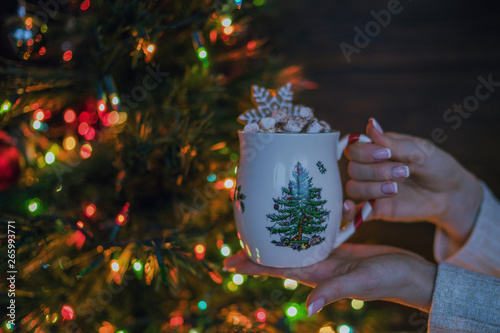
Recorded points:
(316, 306)
(382, 154)
(389, 188)
(377, 125)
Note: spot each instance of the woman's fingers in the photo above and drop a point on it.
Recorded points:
(348, 210)
(347, 285)
(367, 153)
(371, 190)
(378, 171)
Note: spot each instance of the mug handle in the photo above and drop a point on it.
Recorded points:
(362, 215)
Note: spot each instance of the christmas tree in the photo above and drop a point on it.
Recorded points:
(301, 216)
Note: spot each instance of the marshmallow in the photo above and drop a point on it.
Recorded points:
(267, 123)
(305, 112)
(326, 126)
(314, 127)
(279, 116)
(252, 127)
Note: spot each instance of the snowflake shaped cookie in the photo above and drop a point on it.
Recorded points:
(267, 101)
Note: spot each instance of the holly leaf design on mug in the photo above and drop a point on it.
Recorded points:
(239, 197)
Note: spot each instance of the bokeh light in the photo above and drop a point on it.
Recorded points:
(225, 250)
(292, 311)
(290, 284)
(69, 116)
(344, 329)
(115, 266)
(49, 158)
(67, 312)
(90, 210)
(202, 305)
(137, 266)
(238, 279)
(357, 304)
(69, 143)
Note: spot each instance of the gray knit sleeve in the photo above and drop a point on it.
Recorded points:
(464, 301)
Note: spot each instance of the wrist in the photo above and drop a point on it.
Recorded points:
(419, 286)
(462, 208)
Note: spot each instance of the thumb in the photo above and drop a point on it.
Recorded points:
(332, 290)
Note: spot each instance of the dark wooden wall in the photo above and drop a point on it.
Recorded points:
(423, 62)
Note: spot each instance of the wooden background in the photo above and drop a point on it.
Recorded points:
(427, 59)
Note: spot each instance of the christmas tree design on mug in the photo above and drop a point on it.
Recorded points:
(301, 217)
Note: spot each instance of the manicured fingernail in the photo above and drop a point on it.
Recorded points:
(382, 154)
(400, 171)
(389, 188)
(345, 208)
(377, 125)
(316, 306)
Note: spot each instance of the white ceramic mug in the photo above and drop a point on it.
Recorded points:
(288, 197)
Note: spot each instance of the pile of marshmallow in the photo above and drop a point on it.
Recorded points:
(281, 122)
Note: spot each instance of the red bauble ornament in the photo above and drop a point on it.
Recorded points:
(10, 162)
(276, 206)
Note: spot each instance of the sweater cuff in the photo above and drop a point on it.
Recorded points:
(464, 301)
(480, 252)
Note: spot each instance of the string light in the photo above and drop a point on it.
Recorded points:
(292, 311)
(90, 134)
(67, 312)
(101, 105)
(67, 55)
(202, 53)
(202, 305)
(326, 329)
(176, 321)
(69, 143)
(50, 158)
(290, 284)
(225, 250)
(69, 116)
(83, 128)
(5, 106)
(211, 177)
(33, 205)
(151, 48)
(344, 329)
(90, 210)
(231, 286)
(85, 5)
(43, 28)
(137, 266)
(199, 251)
(115, 100)
(37, 125)
(226, 22)
(238, 279)
(357, 304)
(261, 315)
(38, 115)
(192, 330)
(228, 183)
(115, 266)
(113, 118)
(85, 151)
(79, 224)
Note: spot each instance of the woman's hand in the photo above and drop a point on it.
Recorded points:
(365, 272)
(412, 180)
